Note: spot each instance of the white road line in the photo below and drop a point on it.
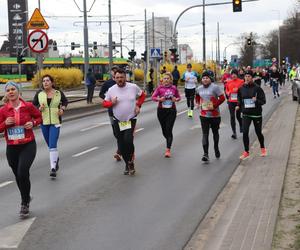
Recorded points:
(85, 152)
(5, 184)
(94, 126)
(138, 130)
(182, 112)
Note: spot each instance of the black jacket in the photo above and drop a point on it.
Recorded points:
(246, 92)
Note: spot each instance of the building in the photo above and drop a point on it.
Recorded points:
(185, 53)
(161, 35)
(17, 20)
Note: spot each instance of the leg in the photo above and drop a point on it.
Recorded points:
(169, 126)
(215, 126)
(239, 118)
(246, 125)
(12, 155)
(258, 130)
(46, 133)
(162, 118)
(192, 98)
(231, 107)
(53, 138)
(187, 95)
(205, 133)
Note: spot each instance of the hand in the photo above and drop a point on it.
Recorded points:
(60, 112)
(161, 99)
(42, 107)
(114, 100)
(28, 125)
(137, 110)
(174, 99)
(254, 98)
(10, 121)
(237, 108)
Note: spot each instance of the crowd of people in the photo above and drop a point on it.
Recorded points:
(242, 90)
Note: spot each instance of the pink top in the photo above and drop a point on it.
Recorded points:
(167, 92)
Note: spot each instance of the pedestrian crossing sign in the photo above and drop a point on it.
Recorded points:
(155, 53)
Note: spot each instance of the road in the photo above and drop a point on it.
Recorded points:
(91, 205)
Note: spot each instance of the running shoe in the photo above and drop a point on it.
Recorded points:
(263, 152)
(278, 94)
(126, 172)
(217, 153)
(191, 113)
(131, 168)
(118, 157)
(24, 212)
(168, 153)
(205, 158)
(233, 136)
(53, 173)
(244, 155)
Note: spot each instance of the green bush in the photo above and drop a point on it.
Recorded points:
(63, 78)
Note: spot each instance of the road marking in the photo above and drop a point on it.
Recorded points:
(5, 184)
(85, 152)
(11, 236)
(95, 126)
(138, 130)
(195, 127)
(182, 112)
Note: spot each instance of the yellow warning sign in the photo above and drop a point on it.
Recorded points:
(37, 21)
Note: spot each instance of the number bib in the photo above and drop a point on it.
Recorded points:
(167, 104)
(207, 105)
(249, 103)
(124, 125)
(233, 97)
(16, 133)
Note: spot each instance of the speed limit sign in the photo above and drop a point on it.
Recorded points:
(38, 41)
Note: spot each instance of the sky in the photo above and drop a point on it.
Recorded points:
(260, 17)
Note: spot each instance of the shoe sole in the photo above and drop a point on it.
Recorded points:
(24, 216)
(132, 172)
(244, 158)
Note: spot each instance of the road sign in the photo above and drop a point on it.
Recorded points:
(38, 41)
(37, 21)
(155, 53)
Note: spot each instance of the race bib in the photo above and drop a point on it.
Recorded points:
(124, 125)
(16, 133)
(233, 97)
(207, 105)
(249, 103)
(167, 104)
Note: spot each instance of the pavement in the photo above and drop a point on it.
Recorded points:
(244, 215)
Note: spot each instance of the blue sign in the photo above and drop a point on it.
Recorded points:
(155, 53)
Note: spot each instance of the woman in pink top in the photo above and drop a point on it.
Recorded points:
(166, 95)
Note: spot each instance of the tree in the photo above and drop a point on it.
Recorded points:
(248, 52)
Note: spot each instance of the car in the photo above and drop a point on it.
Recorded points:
(296, 87)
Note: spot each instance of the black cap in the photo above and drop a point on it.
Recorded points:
(205, 73)
(249, 72)
(189, 65)
(234, 71)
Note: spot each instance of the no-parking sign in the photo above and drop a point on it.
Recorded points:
(38, 41)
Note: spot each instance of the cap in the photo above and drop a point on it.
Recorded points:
(189, 65)
(205, 73)
(234, 71)
(249, 72)
(17, 86)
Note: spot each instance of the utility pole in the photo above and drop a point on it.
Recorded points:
(86, 41)
(153, 33)
(133, 41)
(146, 50)
(218, 30)
(110, 36)
(121, 40)
(204, 38)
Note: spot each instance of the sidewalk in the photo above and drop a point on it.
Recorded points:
(244, 215)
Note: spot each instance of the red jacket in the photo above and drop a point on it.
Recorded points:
(27, 112)
(232, 88)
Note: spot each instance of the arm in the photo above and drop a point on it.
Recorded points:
(197, 98)
(177, 95)
(155, 95)
(2, 122)
(64, 101)
(141, 99)
(36, 115)
(218, 101)
(35, 100)
(103, 90)
(260, 97)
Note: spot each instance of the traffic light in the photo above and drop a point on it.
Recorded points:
(249, 41)
(237, 5)
(113, 45)
(283, 61)
(131, 54)
(20, 58)
(54, 46)
(144, 56)
(173, 51)
(166, 54)
(72, 45)
(176, 58)
(95, 45)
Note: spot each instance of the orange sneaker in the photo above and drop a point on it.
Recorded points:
(263, 152)
(168, 153)
(244, 155)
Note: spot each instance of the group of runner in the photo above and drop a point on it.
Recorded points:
(124, 100)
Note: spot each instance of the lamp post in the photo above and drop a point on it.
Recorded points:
(279, 56)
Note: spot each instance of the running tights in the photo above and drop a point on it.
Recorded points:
(214, 124)
(258, 130)
(190, 96)
(167, 117)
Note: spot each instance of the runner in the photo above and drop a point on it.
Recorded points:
(257, 76)
(17, 118)
(190, 78)
(122, 98)
(251, 97)
(209, 97)
(167, 94)
(105, 87)
(231, 90)
(274, 81)
(52, 103)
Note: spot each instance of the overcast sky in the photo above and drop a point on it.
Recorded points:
(260, 17)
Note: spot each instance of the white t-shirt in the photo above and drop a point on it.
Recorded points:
(124, 110)
(190, 80)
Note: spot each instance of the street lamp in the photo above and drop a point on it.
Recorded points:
(279, 56)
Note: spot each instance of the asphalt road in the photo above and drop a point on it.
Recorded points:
(91, 205)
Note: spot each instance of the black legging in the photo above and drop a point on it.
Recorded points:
(214, 124)
(190, 96)
(234, 113)
(125, 141)
(258, 130)
(167, 117)
(90, 93)
(20, 159)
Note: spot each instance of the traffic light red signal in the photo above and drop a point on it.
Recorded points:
(237, 5)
